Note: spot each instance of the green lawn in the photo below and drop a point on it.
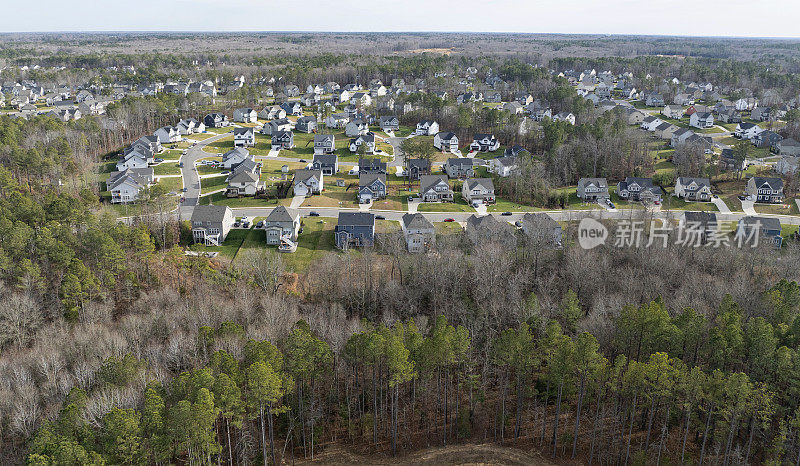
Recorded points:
(314, 242)
(166, 168)
(171, 184)
(789, 209)
(447, 228)
(458, 205)
(223, 145)
(503, 205)
(230, 246)
(170, 154)
(220, 199)
(212, 183)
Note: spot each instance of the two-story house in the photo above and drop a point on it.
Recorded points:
(484, 143)
(427, 128)
(435, 188)
(459, 167)
(753, 230)
(216, 120)
(283, 140)
(416, 168)
(245, 115)
(368, 165)
(211, 224)
(281, 224)
(389, 123)
(419, 233)
(541, 230)
(766, 190)
(639, 189)
(126, 185)
(234, 157)
(272, 112)
(354, 229)
(446, 141)
(478, 191)
(367, 140)
(244, 137)
(307, 182)
(356, 127)
(701, 120)
(306, 124)
(592, 189)
(371, 187)
(327, 163)
(324, 144)
(693, 189)
(245, 179)
(272, 127)
(747, 130)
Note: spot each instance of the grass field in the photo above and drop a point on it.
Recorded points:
(166, 168)
(314, 242)
(212, 183)
(458, 205)
(220, 199)
(171, 184)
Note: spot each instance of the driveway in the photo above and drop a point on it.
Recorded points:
(297, 201)
(413, 205)
(365, 207)
(747, 207)
(721, 205)
(481, 210)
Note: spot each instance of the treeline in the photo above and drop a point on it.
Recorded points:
(669, 389)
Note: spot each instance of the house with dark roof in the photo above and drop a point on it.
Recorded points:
(281, 223)
(752, 231)
(327, 163)
(416, 168)
(767, 138)
(698, 227)
(126, 185)
(788, 146)
(234, 157)
(503, 166)
(245, 179)
(478, 191)
(487, 228)
(354, 229)
(282, 140)
(367, 140)
(306, 124)
(765, 190)
(389, 123)
(446, 141)
(592, 189)
(271, 127)
(693, 189)
(324, 144)
(639, 189)
(459, 167)
(427, 128)
(368, 165)
(244, 137)
(211, 224)
(371, 187)
(216, 120)
(292, 108)
(435, 188)
(245, 115)
(419, 232)
(541, 229)
(307, 182)
(484, 143)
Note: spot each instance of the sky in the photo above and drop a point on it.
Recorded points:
(735, 18)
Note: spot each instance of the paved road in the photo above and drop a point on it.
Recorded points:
(191, 179)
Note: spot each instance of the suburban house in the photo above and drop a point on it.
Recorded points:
(672, 111)
(307, 182)
(211, 224)
(216, 120)
(650, 123)
(639, 189)
(245, 179)
(371, 186)
(683, 99)
(367, 140)
(488, 228)
(503, 166)
(367, 165)
(340, 95)
(693, 189)
(654, 99)
(427, 128)
(542, 229)
(591, 189)
(190, 126)
(136, 158)
(125, 185)
(327, 163)
(761, 113)
(354, 229)
(788, 146)
(767, 138)
(234, 157)
(459, 168)
(361, 98)
(282, 140)
(539, 114)
(292, 108)
(416, 168)
(752, 231)
(149, 142)
(356, 127)
(282, 224)
(435, 188)
(767, 190)
(273, 112)
(419, 232)
(167, 135)
(729, 116)
(324, 144)
(516, 151)
(244, 137)
(565, 116)
(478, 191)
(245, 115)
(446, 141)
(747, 130)
(389, 123)
(484, 143)
(515, 108)
(788, 164)
(665, 131)
(337, 120)
(701, 120)
(306, 124)
(680, 136)
(272, 127)
(699, 227)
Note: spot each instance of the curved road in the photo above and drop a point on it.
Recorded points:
(191, 179)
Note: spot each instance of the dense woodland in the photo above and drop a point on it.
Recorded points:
(115, 348)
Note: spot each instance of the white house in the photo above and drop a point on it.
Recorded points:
(693, 189)
(245, 115)
(307, 182)
(701, 120)
(446, 141)
(167, 134)
(427, 128)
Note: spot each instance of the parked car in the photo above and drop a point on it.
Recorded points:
(611, 205)
(303, 161)
(260, 224)
(313, 214)
(183, 190)
(518, 223)
(506, 214)
(159, 160)
(236, 224)
(380, 217)
(246, 225)
(449, 220)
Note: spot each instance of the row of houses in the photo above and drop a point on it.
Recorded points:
(760, 189)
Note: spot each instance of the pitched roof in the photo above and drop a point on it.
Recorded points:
(485, 183)
(210, 213)
(282, 214)
(356, 219)
(416, 221)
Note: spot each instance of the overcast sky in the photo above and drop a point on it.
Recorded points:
(752, 18)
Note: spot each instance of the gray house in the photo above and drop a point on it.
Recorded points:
(752, 231)
(542, 229)
(762, 189)
(281, 223)
(389, 123)
(699, 226)
(416, 168)
(435, 188)
(244, 137)
(324, 144)
(327, 163)
(478, 191)
(371, 186)
(488, 228)
(354, 229)
(639, 189)
(419, 232)
(283, 140)
(459, 168)
(211, 224)
(306, 124)
(592, 189)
